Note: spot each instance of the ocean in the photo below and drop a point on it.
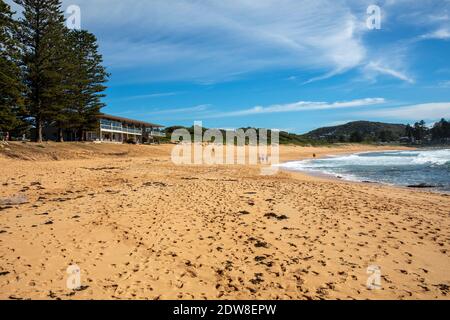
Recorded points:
(426, 167)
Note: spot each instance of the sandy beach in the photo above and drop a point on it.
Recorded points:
(140, 227)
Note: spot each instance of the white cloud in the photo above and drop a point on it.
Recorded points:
(339, 122)
(199, 108)
(440, 34)
(444, 84)
(426, 111)
(300, 106)
(151, 95)
(217, 40)
(325, 76)
(378, 68)
(214, 40)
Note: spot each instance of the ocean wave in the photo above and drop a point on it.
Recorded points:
(404, 168)
(388, 159)
(439, 157)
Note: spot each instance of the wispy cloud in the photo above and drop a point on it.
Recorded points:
(213, 40)
(199, 108)
(404, 24)
(300, 106)
(325, 76)
(151, 95)
(426, 111)
(440, 34)
(378, 68)
(444, 84)
(341, 122)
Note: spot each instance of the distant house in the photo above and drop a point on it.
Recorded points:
(113, 129)
(405, 140)
(117, 129)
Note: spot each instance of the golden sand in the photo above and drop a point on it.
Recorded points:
(140, 227)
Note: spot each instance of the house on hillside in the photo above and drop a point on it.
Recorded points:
(113, 129)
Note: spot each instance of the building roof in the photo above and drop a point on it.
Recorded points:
(130, 121)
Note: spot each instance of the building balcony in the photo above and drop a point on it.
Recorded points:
(119, 129)
(156, 134)
(132, 131)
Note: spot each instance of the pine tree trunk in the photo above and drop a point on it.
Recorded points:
(80, 135)
(39, 130)
(60, 135)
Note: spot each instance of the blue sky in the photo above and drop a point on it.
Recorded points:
(287, 64)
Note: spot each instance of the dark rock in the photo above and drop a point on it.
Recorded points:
(272, 215)
(155, 184)
(261, 244)
(422, 186)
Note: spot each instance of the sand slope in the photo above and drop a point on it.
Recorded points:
(142, 228)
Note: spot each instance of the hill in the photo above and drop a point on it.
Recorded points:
(358, 131)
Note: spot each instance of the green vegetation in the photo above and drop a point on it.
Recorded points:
(301, 140)
(11, 101)
(359, 131)
(88, 82)
(53, 76)
(356, 132)
(377, 132)
(50, 75)
(285, 137)
(421, 134)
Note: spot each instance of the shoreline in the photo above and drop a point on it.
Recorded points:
(328, 176)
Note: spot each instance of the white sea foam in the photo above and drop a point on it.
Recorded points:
(439, 157)
(388, 159)
(405, 168)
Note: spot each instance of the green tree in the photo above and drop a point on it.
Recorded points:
(64, 114)
(87, 82)
(441, 130)
(386, 136)
(45, 61)
(420, 130)
(357, 137)
(409, 131)
(10, 81)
